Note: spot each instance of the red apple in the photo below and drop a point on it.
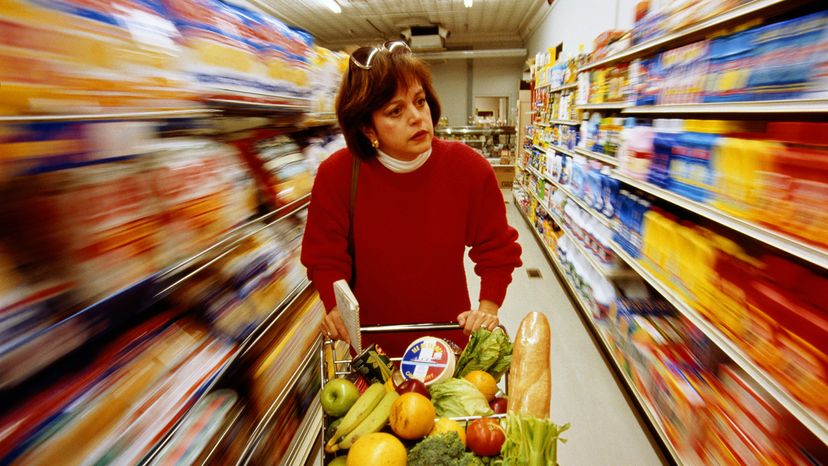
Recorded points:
(413, 385)
(498, 405)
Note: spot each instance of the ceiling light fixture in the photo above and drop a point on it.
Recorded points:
(332, 5)
(468, 3)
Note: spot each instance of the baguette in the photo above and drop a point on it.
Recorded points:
(530, 378)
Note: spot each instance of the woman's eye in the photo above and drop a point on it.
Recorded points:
(395, 112)
(421, 101)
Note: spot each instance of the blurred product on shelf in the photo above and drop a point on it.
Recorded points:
(775, 174)
(121, 404)
(654, 19)
(320, 147)
(72, 57)
(708, 410)
(281, 356)
(238, 293)
(278, 164)
(328, 68)
(295, 335)
(81, 57)
(233, 53)
(782, 60)
(767, 305)
(114, 221)
(201, 430)
(96, 212)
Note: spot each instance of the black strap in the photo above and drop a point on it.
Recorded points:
(351, 207)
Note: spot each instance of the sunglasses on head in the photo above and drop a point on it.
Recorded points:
(363, 57)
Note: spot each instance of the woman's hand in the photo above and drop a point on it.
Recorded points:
(485, 316)
(333, 327)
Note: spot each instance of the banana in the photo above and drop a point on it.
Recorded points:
(358, 412)
(373, 423)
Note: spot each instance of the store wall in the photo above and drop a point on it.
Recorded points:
(575, 22)
(498, 78)
(450, 84)
(489, 78)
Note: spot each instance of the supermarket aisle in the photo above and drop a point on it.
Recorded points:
(604, 428)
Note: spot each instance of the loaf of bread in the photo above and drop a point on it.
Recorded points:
(530, 378)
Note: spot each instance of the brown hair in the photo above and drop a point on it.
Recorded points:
(364, 91)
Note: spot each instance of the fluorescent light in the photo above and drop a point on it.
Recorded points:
(467, 3)
(332, 5)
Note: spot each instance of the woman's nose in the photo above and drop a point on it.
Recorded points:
(415, 114)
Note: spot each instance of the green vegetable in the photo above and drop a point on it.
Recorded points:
(531, 441)
(444, 449)
(458, 398)
(489, 351)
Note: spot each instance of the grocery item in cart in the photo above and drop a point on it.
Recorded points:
(530, 378)
(429, 359)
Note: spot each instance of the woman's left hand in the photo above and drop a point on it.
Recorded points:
(485, 316)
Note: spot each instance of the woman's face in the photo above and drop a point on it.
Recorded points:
(403, 126)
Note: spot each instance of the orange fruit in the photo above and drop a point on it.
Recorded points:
(445, 424)
(412, 416)
(379, 449)
(484, 382)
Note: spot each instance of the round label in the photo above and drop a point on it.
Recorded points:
(427, 359)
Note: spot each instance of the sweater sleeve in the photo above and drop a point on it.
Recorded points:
(325, 242)
(494, 247)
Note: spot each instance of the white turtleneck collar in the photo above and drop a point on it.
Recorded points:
(401, 166)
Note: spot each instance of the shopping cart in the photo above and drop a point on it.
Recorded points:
(344, 367)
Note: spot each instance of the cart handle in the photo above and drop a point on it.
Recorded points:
(401, 328)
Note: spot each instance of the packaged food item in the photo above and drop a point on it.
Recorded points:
(373, 365)
(428, 359)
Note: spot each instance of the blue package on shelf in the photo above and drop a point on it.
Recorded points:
(786, 54)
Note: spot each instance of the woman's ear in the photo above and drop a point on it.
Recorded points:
(369, 133)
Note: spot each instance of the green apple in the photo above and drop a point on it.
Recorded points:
(338, 396)
(339, 461)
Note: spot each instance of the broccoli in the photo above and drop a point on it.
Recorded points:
(444, 449)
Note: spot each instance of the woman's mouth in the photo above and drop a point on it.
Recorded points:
(419, 135)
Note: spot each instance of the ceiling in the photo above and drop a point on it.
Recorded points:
(487, 24)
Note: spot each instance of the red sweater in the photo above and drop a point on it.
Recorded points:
(410, 235)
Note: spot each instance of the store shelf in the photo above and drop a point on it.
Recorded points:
(308, 433)
(812, 421)
(306, 364)
(558, 89)
(590, 258)
(198, 394)
(606, 106)
(319, 119)
(598, 216)
(781, 241)
(565, 122)
(80, 327)
(693, 32)
(607, 159)
(811, 106)
(226, 244)
(644, 406)
(482, 131)
(260, 331)
(144, 115)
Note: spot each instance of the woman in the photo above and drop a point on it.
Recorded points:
(419, 202)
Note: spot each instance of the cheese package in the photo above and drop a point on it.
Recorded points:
(428, 359)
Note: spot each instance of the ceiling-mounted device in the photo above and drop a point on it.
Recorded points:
(428, 37)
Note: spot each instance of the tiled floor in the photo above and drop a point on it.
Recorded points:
(605, 430)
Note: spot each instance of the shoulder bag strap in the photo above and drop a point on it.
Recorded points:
(351, 207)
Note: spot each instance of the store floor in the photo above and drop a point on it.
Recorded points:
(605, 430)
